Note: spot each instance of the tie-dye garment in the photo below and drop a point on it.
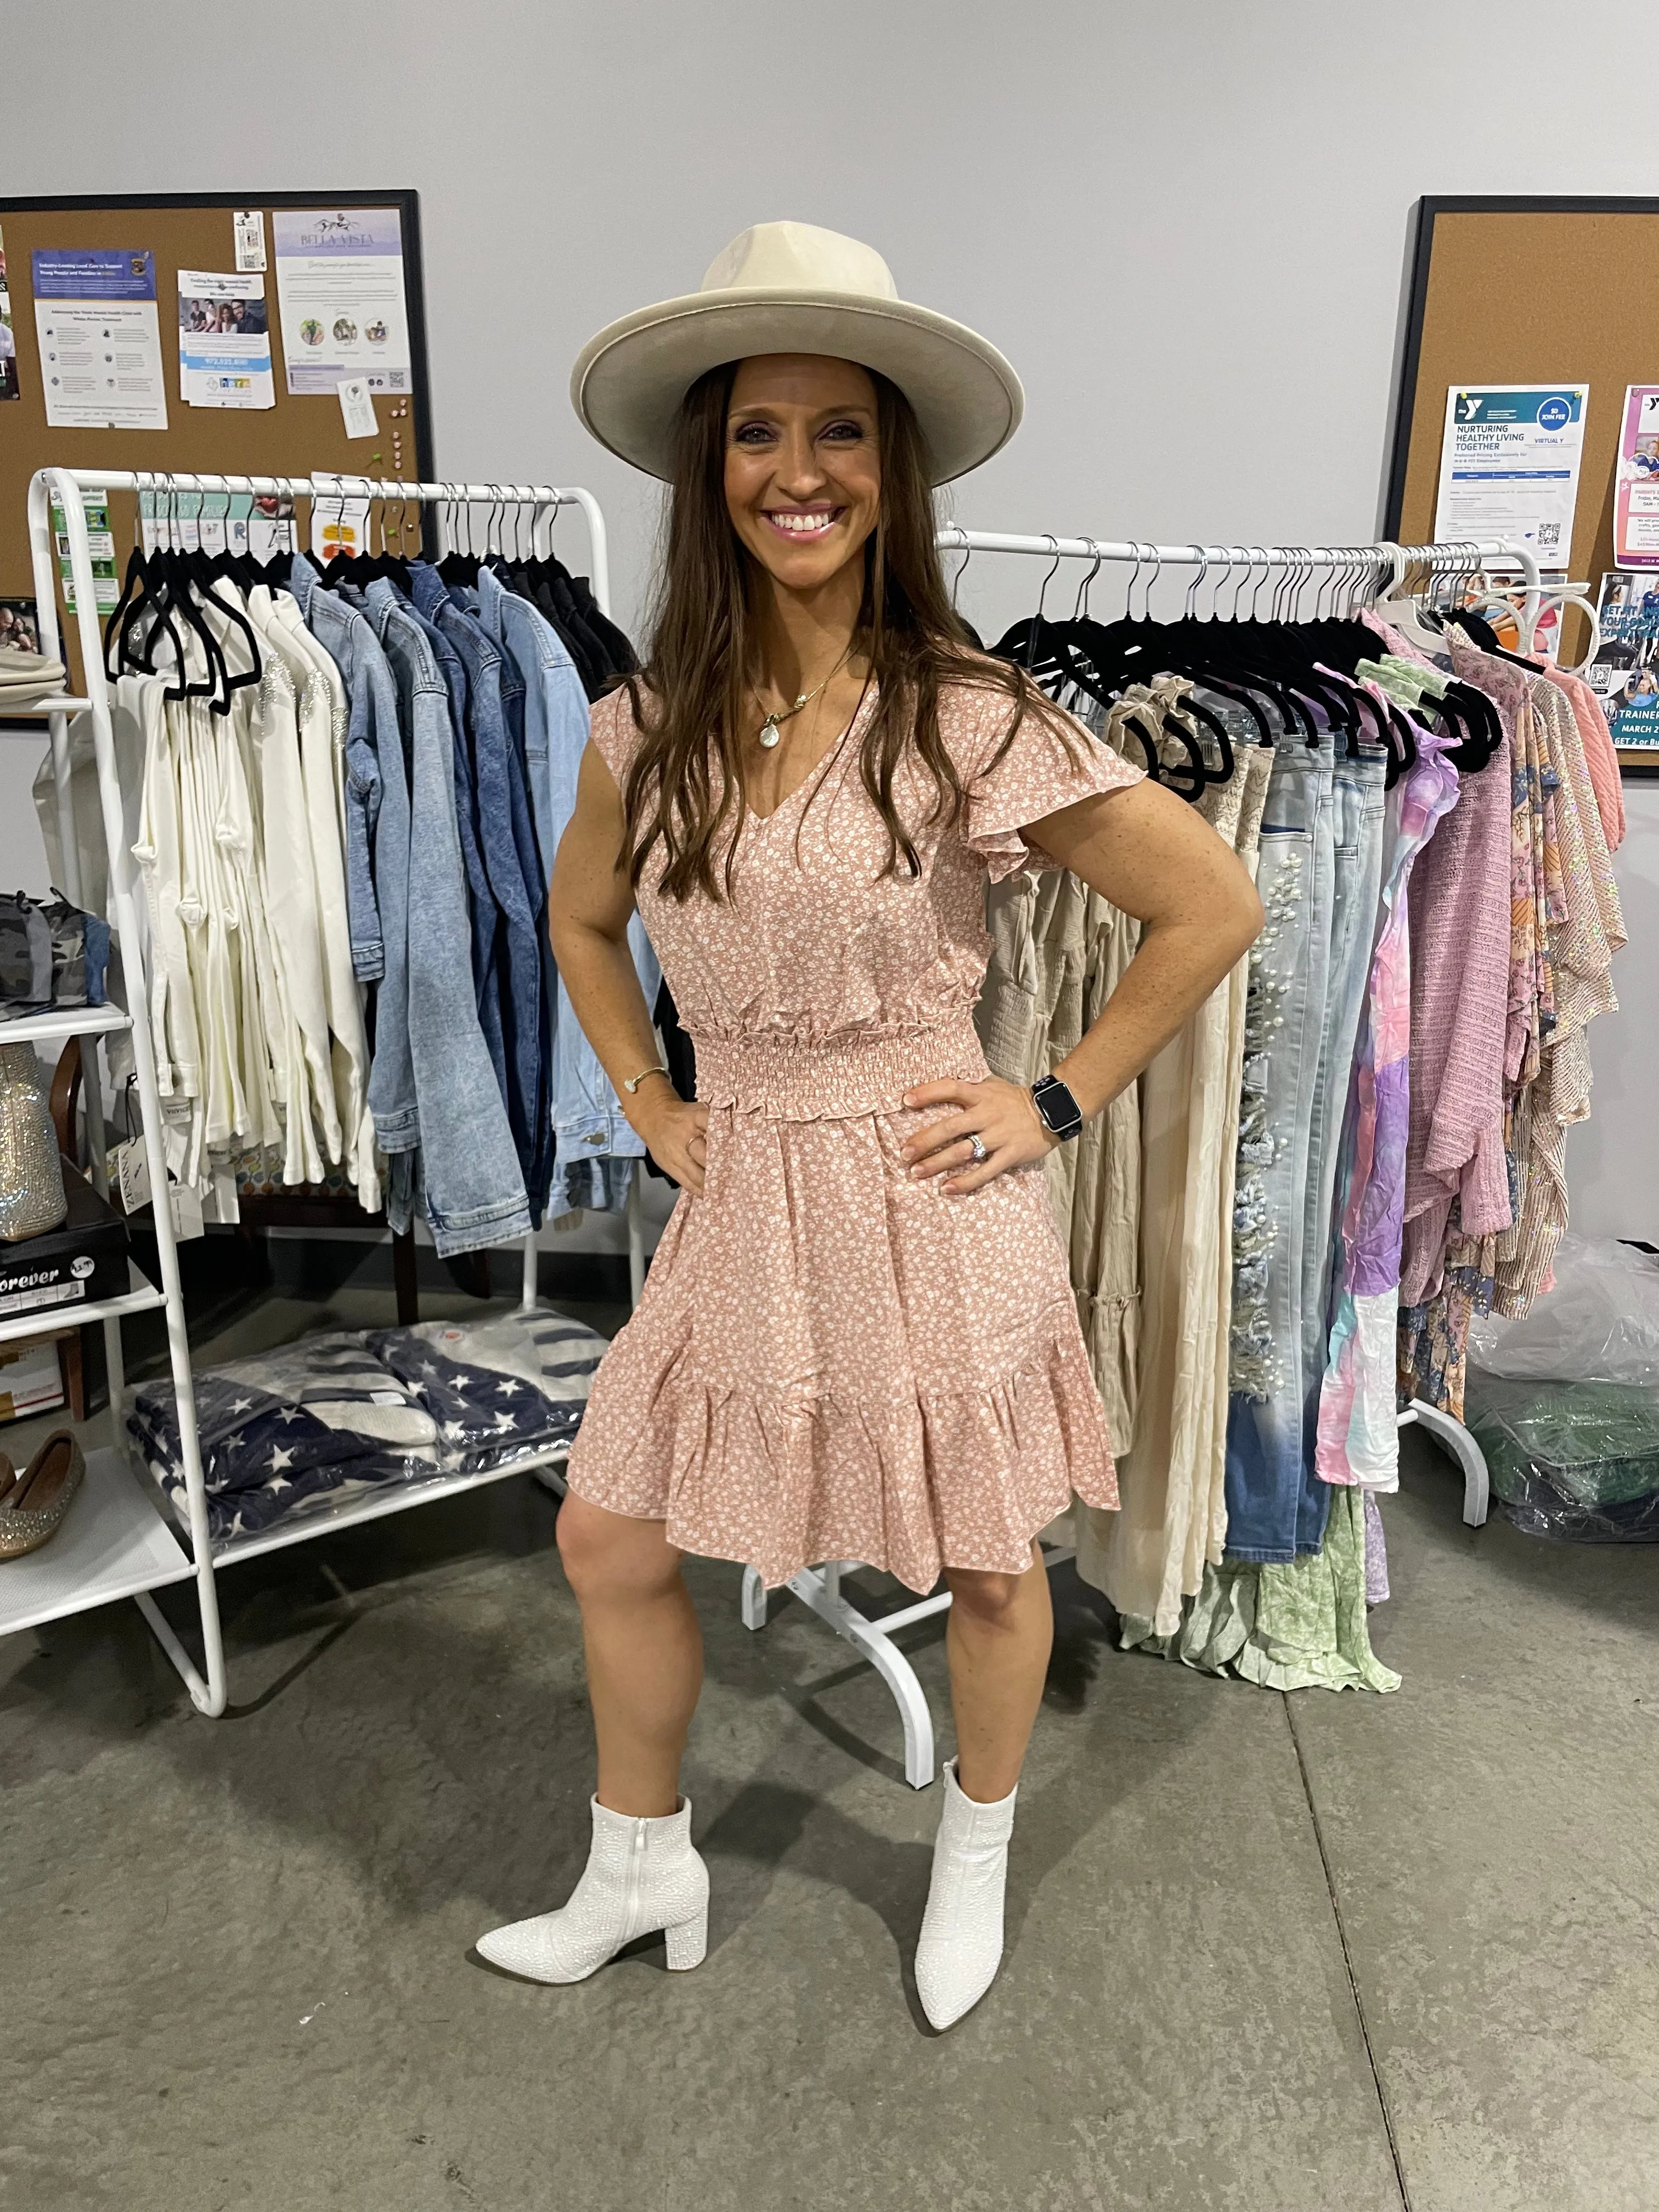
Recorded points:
(1358, 1437)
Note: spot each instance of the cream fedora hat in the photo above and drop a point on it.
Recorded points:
(792, 288)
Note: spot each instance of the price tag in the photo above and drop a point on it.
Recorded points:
(250, 239)
(128, 1166)
(357, 406)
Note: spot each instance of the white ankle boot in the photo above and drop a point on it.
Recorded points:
(640, 1876)
(961, 1945)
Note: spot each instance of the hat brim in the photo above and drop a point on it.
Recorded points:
(629, 381)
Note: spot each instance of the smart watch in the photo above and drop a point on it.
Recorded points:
(1060, 1112)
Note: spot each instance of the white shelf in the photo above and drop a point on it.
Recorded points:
(113, 1543)
(70, 1313)
(64, 1023)
(43, 706)
(375, 1505)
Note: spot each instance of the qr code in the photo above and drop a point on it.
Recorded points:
(1549, 533)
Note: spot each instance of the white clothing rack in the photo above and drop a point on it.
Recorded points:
(117, 1542)
(1350, 566)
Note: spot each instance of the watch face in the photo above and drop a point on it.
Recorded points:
(1058, 1110)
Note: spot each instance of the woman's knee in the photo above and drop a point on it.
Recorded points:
(611, 1555)
(991, 1601)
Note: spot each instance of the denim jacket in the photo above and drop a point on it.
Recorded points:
(372, 724)
(587, 1115)
(504, 836)
(474, 1186)
(555, 706)
(486, 915)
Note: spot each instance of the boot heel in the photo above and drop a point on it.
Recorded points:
(688, 1944)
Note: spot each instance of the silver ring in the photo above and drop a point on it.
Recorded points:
(976, 1145)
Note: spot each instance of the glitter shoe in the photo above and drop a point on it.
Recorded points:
(32, 1504)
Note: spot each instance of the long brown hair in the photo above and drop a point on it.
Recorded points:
(685, 788)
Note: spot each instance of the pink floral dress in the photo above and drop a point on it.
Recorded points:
(831, 1360)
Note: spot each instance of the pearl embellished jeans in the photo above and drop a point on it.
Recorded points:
(1284, 1028)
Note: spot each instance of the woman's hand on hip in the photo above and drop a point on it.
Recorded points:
(673, 1131)
(1002, 1115)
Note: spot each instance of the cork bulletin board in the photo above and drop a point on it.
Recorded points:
(1527, 291)
(300, 434)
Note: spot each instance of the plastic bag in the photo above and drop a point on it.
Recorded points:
(1575, 1460)
(1599, 1324)
(1565, 1402)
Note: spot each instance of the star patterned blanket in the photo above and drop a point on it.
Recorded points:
(304, 1428)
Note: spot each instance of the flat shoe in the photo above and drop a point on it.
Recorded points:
(33, 1505)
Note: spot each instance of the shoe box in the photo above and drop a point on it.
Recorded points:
(82, 1260)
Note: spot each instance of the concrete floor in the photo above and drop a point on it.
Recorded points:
(1280, 1955)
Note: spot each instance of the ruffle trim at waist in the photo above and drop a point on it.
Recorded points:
(797, 1079)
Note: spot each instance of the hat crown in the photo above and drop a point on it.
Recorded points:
(798, 257)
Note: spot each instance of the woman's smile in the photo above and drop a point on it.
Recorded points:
(804, 524)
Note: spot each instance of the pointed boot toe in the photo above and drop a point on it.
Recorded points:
(641, 1877)
(961, 1945)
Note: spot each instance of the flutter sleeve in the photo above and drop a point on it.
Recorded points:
(1037, 775)
(615, 733)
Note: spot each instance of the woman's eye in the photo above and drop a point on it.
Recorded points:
(844, 433)
(752, 434)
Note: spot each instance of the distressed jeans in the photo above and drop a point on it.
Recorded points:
(1356, 816)
(1285, 1019)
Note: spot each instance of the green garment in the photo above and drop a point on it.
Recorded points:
(1404, 680)
(1597, 1443)
(1298, 1627)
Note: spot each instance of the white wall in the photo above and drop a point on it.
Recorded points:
(1185, 223)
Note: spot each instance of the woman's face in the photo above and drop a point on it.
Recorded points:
(803, 475)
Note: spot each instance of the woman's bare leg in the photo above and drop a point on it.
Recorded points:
(644, 1653)
(1001, 1629)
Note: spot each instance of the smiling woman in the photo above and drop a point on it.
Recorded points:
(858, 1338)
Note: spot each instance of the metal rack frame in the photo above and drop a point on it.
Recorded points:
(121, 1542)
(819, 1589)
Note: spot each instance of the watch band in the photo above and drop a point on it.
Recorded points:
(1060, 1112)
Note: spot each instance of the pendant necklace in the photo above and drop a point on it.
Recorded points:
(770, 731)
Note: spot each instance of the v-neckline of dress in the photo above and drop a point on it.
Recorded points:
(815, 771)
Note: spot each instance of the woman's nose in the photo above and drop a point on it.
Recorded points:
(799, 470)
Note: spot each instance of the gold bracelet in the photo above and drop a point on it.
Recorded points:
(633, 1081)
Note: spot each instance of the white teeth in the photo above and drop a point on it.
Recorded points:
(802, 526)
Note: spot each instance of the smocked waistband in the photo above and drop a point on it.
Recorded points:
(794, 1080)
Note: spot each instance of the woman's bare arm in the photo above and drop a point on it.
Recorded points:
(1154, 856)
(1149, 853)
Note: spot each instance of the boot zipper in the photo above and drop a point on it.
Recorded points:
(635, 1863)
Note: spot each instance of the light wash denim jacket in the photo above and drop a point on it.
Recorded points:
(474, 1188)
(372, 724)
(587, 1115)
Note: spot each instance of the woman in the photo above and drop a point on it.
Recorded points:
(858, 1340)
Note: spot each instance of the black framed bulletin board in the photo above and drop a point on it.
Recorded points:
(1529, 291)
(147, 239)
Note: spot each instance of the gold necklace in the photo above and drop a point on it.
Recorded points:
(769, 733)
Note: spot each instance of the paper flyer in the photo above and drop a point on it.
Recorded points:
(224, 341)
(9, 386)
(1636, 481)
(1508, 466)
(1625, 675)
(100, 543)
(340, 288)
(339, 519)
(101, 345)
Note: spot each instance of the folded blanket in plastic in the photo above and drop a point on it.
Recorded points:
(306, 1428)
